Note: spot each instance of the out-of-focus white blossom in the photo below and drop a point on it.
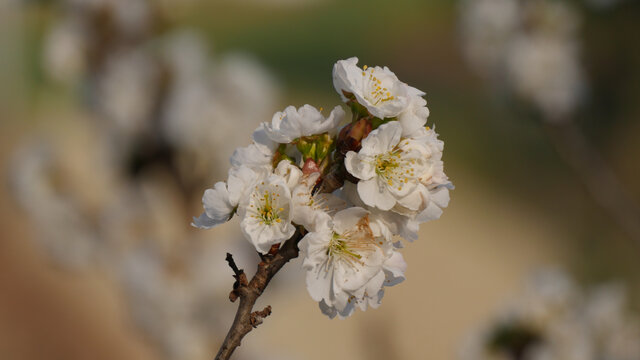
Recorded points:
(64, 230)
(64, 53)
(554, 319)
(529, 47)
(124, 92)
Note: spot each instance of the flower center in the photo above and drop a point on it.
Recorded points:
(338, 248)
(266, 211)
(376, 93)
(349, 246)
(393, 169)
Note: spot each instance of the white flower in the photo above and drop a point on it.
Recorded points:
(347, 262)
(312, 208)
(221, 202)
(291, 124)
(434, 185)
(389, 170)
(258, 155)
(378, 89)
(266, 213)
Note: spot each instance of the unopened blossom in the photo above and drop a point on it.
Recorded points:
(346, 259)
(293, 123)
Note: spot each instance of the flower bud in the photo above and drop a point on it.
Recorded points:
(280, 154)
(350, 137)
(309, 167)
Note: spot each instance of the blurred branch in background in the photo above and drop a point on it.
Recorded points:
(598, 178)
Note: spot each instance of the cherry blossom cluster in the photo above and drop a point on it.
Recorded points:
(350, 187)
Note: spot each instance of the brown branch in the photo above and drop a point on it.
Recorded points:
(598, 178)
(246, 319)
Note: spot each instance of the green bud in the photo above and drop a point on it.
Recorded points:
(280, 155)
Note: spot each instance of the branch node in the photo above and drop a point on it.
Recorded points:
(257, 317)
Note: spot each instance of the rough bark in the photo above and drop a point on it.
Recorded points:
(249, 291)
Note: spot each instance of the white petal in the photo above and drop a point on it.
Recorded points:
(382, 139)
(291, 124)
(241, 180)
(374, 194)
(252, 156)
(216, 203)
(261, 138)
(343, 70)
(319, 284)
(414, 117)
(204, 222)
(289, 172)
(375, 284)
(360, 167)
(431, 212)
(437, 200)
(347, 219)
(394, 268)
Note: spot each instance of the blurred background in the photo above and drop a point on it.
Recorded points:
(115, 115)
